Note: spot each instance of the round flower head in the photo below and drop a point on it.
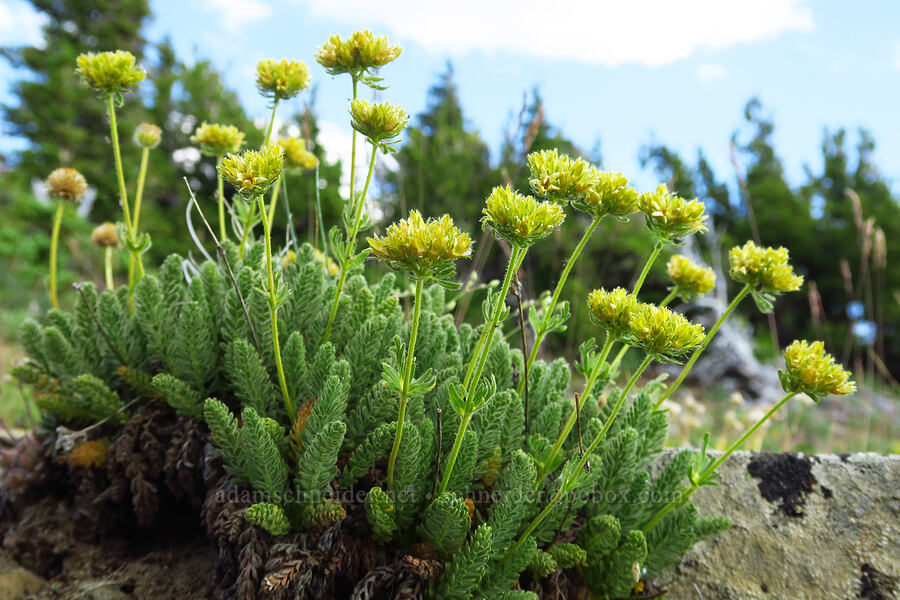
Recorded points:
(360, 53)
(296, 154)
(612, 310)
(282, 79)
(520, 220)
(381, 123)
(611, 195)
(662, 333)
(690, 280)
(559, 177)
(104, 236)
(766, 268)
(110, 73)
(67, 184)
(253, 172)
(217, 140)
(147, 135)
(426, 249)
(809, 370)
(670, 217)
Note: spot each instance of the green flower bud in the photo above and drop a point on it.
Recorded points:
(765, 268)
(110, 73)
(662, 333)
(612, 310)
(381, 123)
(670, 217)
(691, 280)
(426, 249)
(809, 370)
(104, 236)
(360, 53)
(282, 79)
(520, 220)
(296, 154)
(560, 178)
(217, 140)
(147, 135)
(67, 184)
(253, 172)
(611, 195)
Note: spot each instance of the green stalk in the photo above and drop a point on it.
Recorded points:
(223, 231)
(351, 247)
(705, 475)
(271, 122)
(142, 178)
(275, 190)
(709, 336)
(474, 372)
(273, 312)
(321, 222)
(107, 267)
(54, 246)
(252, 210)
(669, 297)
(404, 394)
(650, 260)
(542, 333)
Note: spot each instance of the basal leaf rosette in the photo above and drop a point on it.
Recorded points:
(296, 154)
(610, 195)
(216, 139)
(425, 249)
(662, 333)
(381, 122)
(670, 217)
(66, 184)
(809, 370)
(147, 135)
(253, 172)
(560, 178)
(359, 54)
(520, 220)
(281, 79)
(766, 270)
(110, 73)
(690, 279)
(612, 310)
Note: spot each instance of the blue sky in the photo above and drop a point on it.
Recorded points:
(623, 73)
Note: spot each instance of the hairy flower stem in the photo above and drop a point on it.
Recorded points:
(54, 247)
(650, 260)
(275, 189)
(704, 477)
(107, 267)
(554, 299)
(350, 248)
(223, 231)
(271, 122)
(404, 394)
(582, 459)
(139, 195)
(709, 336)
(479, 358)
(588, 387)
(251, 211)
(273, 312)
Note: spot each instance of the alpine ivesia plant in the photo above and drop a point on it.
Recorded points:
(313, 380)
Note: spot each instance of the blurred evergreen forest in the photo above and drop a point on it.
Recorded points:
(841, 225)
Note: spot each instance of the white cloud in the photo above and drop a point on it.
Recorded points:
(237, 13)
(604, 32)
(707, 72)
(20, 24)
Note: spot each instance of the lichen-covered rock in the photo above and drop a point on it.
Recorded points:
(817, 527)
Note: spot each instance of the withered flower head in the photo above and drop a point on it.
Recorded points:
(67, 184)
(147, 135)
(104, 236)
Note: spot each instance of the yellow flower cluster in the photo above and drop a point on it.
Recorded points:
(560, 178)
(110, 73)
(253, 172)
(766, 268)
(67, 184)
(612, 310)
(611, 195)
(425, 249)
(809, 370)
(147, 135)
(281, 79)
(359, 53)
(296, 154)
(663, 333)
(520, 220)
(691, 280)
(217, 140)
(381, 122)
(104, 236)
(670, 217)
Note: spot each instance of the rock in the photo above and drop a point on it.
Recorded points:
(18, 583)
(816, 527)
